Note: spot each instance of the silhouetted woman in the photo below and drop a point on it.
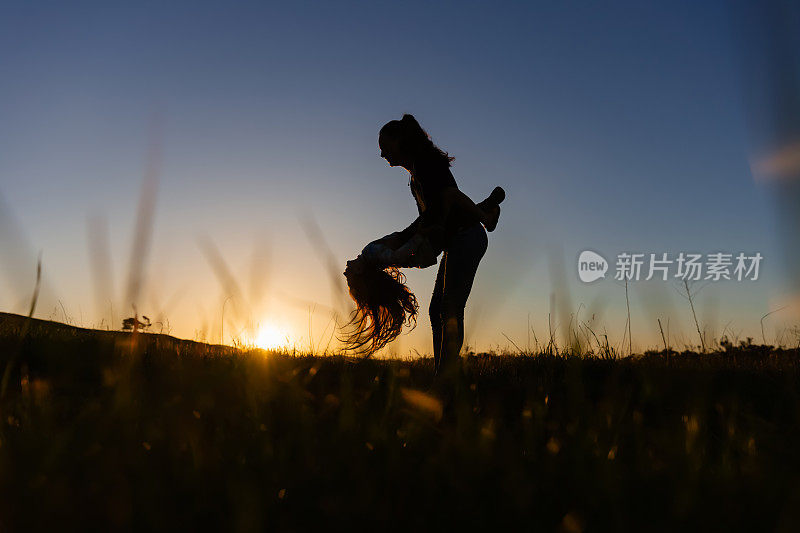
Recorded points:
(448, 220)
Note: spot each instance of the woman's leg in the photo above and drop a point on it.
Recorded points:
(464, 253)
(435, 312)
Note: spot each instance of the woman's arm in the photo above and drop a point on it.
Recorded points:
(418, 251)
(420, 243)
(399, 238)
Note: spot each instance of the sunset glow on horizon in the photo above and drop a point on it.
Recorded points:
(270, 337)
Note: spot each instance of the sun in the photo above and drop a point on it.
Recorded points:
(269, 337)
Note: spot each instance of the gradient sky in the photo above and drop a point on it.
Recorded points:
(613, 128)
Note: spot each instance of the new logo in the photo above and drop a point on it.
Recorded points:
(591, 266)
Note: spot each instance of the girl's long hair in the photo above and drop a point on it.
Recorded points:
(414, 139)
(383, 305)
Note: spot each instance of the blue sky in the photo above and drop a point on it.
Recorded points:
(613, 127)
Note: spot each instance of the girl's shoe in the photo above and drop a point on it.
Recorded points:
(491, 206)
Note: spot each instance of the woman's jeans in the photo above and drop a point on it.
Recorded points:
(457, 269)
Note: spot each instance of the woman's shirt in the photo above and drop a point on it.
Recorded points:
(429, 178)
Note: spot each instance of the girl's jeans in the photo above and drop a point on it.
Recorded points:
(457, 269)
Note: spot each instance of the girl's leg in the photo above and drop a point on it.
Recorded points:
(486, 212)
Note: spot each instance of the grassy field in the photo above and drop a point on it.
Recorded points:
(115, 431)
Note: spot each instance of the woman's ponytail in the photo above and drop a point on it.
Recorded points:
(412, 137)
(411, 123)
